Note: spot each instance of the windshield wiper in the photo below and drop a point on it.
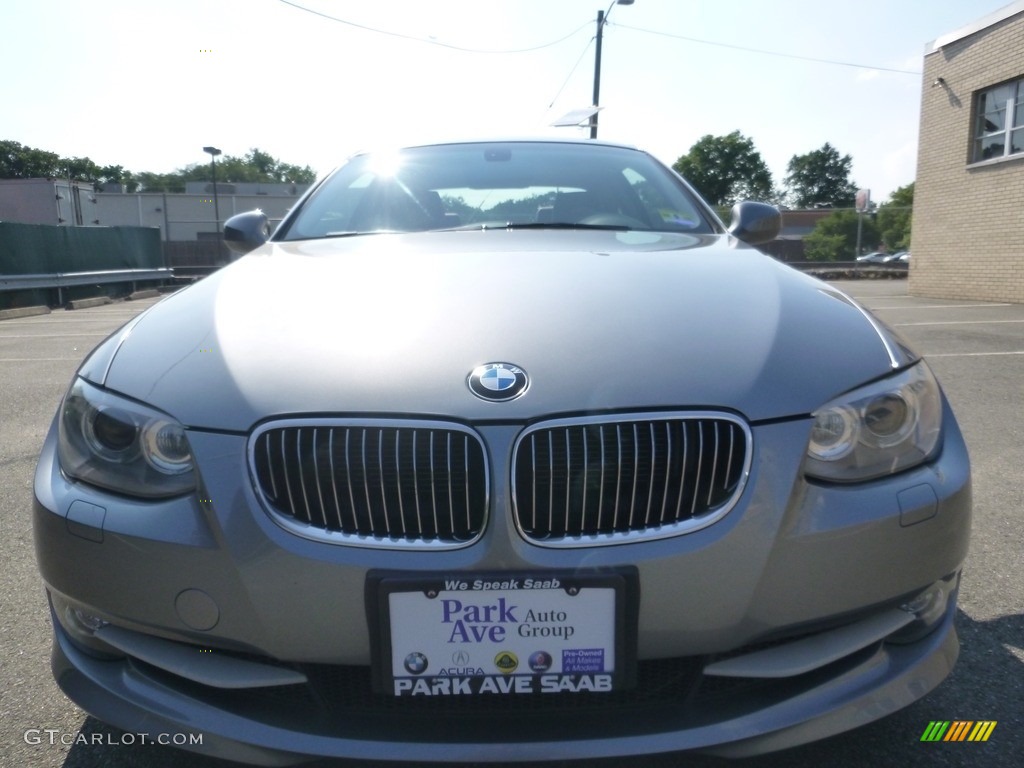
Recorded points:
(361, 233)
(567, 225)
(493, 225)
(489, 226)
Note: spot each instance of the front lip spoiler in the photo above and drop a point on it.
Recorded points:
(200, 665)
(120, 693)
(810, 653)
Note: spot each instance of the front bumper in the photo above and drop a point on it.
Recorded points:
(215, 572)
(285, 727)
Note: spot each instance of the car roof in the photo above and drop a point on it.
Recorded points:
(498, 140)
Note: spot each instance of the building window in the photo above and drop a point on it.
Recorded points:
(999, 126)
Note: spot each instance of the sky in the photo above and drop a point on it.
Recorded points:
(146, 84)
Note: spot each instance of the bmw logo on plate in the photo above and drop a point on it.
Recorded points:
(416, 663)
(498, 381)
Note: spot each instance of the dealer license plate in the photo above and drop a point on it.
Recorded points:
(504, 633)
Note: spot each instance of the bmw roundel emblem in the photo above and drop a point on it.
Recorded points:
(498, 381)
(416, 663)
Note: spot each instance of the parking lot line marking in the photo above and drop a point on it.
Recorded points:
(975, 354)
(7, 323)
(48, 335)
(959, 322)
(938, 306)
(40, 359)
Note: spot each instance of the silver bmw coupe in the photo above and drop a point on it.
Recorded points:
(501, 451)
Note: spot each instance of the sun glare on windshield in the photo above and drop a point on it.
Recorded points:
(385, 164)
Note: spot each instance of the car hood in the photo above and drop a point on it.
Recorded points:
(394, 324)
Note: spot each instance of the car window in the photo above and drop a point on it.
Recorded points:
(470, 186)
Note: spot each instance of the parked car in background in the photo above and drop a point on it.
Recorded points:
(501, 451)
(875, 257)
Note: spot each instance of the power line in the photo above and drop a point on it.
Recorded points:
(571, 72)
(428, 40)
(766, 52)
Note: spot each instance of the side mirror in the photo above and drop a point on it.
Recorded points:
(755, 223)
(245, 231)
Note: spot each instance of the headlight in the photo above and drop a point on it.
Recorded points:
(885, 427)
(116, 443)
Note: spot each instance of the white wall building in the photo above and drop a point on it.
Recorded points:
(188, 216)
(184, 216)
(57, 202)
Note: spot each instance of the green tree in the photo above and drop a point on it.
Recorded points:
(80, 168)
(254, 166)
(894, 218)
(116, 174)
(161, 182)
(20, 162)
(820, 179)
(835, 237)
(726, 169)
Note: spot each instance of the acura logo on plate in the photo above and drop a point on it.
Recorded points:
(498, 381)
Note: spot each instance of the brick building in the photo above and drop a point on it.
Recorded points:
(968, 231)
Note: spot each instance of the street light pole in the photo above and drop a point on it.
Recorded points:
(602, 18)
(597, 72)
(213, 152)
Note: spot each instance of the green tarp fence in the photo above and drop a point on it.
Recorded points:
(40, 248)
(33, 249)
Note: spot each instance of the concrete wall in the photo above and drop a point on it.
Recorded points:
(245, 188)
(57, 202)
(183, 216)
(177, 216)
(968, 227)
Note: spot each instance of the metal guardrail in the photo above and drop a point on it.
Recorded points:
(193, 272)
(895, 266)
(69, 279)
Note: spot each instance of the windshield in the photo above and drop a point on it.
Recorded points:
(484, 185)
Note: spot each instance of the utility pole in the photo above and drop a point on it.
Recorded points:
(597, 73)
(862, 201)
(213, 152)
(602, 16)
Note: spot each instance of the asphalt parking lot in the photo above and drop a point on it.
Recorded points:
(975, 348)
